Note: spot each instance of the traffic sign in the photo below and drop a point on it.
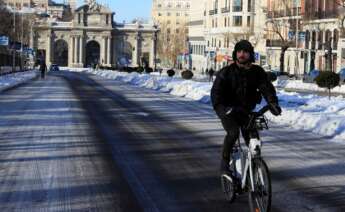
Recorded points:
(4, 41)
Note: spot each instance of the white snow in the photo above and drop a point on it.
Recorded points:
(11, 80)
(298, 84)
(307, 112)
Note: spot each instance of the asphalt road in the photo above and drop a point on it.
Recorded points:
(76, 142)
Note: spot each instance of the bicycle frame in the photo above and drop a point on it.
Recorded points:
(248, 161)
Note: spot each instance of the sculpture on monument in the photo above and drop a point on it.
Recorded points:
(93, 5)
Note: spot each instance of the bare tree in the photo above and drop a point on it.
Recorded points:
(6, 18)
(23, 23)
(171, 43)
(275, 26)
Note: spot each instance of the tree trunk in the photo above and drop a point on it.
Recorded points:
(282, 57)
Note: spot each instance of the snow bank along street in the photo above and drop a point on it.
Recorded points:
(300, 111)
(303, 112)
(10, 80)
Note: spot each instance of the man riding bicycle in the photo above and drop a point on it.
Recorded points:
(236, 91)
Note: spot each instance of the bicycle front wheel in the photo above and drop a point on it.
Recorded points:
(260, 198)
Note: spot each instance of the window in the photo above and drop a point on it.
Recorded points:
(177, 31)
(215, 4)
(178, 5)
(168, 14)
(225, 19)
(159, 5)
(79, 18)
(237, 6)
(168, 22)
(107, 19)
(186, 14)
(187, 5)
(177, 22)
(237, 21)
(168, 30)
(169, 5)
(248, 21)
(177, 14)
(249, 6)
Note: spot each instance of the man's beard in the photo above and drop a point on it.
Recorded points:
(243, 61)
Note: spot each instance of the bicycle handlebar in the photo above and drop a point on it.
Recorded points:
(262, 111)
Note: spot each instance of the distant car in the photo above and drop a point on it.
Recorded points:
(54, 67)
(310, 77)
(342, 76)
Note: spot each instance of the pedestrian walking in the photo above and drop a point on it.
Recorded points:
(211, 74)
(43, 68)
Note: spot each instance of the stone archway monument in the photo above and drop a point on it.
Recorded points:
(92, 37)
(92, 54)
(60, 54)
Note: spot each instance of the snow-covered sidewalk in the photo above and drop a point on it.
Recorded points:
(10, 80)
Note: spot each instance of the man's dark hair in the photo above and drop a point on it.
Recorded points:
(246, 46)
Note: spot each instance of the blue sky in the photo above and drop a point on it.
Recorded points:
(127, 9)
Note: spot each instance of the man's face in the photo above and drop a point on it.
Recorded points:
(243, 56)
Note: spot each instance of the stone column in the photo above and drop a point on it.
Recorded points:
(81, 46)
(136, 51)
(49, 44)
(70, 52)
(102, 50)
(76, 50)
(109, 51)
(153, 51)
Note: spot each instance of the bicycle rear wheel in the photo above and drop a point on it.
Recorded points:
(260, 199)
(228, 187)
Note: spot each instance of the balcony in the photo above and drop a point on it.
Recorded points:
(296, 11)
(213, 12)
(225, 9)
(280, 43)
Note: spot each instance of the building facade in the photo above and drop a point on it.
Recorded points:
(196, 38)
(52, 8)
(18, 4)
(226, 22)
(285, 31)
(172, 16)
(324, 50)
(92, 37)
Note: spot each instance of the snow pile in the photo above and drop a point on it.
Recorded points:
(303, 112)
(313, 113)
(11, 80)
(298, 84)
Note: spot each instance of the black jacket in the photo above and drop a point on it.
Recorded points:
(235, 87)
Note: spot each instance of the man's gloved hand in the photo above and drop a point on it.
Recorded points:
(275, 109)
(238, 112)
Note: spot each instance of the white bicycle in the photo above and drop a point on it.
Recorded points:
(249, 172)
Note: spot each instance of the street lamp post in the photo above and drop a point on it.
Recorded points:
(14, 35)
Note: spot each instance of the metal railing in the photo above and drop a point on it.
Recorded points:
(280, 43)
